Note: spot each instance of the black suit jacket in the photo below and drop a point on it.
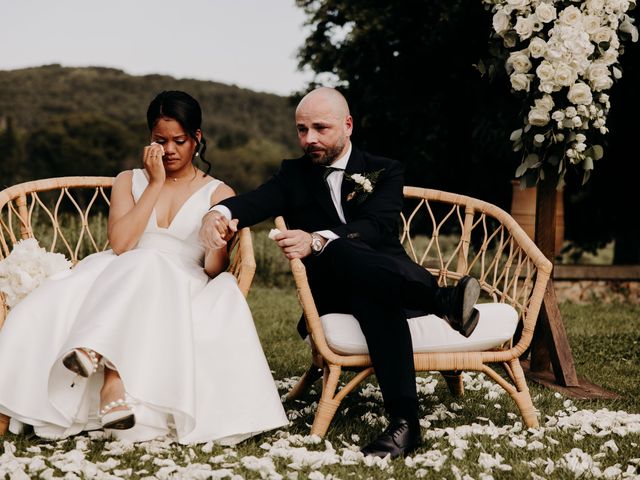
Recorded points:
(300, 194)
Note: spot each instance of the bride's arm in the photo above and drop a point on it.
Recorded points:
(128, 219)
(216, 261)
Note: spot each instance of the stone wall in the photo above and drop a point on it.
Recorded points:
(586, 291)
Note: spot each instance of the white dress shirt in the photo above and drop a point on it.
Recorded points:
(335, 187)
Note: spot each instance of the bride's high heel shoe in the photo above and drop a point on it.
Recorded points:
(81, 361)
(119, 419)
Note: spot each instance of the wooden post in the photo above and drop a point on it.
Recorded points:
(550, 345)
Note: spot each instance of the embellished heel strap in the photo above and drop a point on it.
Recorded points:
(117, 419)
(121, 402)
(82, 361)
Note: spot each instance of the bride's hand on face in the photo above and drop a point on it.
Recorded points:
(152, 161)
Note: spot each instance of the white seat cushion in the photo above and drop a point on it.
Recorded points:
(497, 324)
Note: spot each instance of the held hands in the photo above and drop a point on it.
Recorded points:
(216, 230)
(152, 161)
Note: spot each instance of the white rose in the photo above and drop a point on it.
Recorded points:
(517, 3)
(544, 103)
(554, 52)
(548, 87)
(520, 82)
(519, 61)
(604, 98)
(598, 75)
(590, 23)
(570, 112)
(610, 56)
(558, 115)
(570, 16)
(538, 117)
(545, 71)
(577, 121)
(580, 94)
(564, 75)
(601, 35)
(367, 187)
(546, 12)
(537, 47)
(524, 27)
(595, 6)
(501, 22)
(581, 138)
(616, 6)
(357, 178)
(578, 47)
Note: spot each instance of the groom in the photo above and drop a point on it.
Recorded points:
(342, 207)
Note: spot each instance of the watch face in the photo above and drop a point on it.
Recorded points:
(316, 244)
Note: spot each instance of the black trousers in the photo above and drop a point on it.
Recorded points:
(381, 291)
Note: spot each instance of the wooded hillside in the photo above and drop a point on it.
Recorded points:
(91, 121)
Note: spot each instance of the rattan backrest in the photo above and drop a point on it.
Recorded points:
(69, 215)
(66, 215)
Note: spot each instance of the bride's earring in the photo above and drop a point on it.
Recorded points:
(197, 152)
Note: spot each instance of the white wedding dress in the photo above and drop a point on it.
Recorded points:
(185, 346)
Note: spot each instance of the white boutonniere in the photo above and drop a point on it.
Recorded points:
(364, 184)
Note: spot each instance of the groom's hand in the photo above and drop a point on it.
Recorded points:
(294, 243)
(216, 230)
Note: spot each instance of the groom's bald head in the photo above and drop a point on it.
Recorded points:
(327, 99)
(324, 125)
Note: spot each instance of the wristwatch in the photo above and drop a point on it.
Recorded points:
(316, 243)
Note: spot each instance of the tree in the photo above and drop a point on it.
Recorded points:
(80, 144)
(447, 125)
(12, 155)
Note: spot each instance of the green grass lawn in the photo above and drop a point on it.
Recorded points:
(477, 436)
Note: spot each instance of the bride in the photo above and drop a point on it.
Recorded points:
(140, 340)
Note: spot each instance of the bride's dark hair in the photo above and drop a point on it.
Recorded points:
(185, 110)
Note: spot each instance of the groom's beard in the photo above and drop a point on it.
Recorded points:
(328, 157)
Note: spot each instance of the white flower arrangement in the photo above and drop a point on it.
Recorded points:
(26, 267)
(364, 183)
(563, 55)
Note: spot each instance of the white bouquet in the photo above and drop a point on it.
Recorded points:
(562, 56)
(26, 267)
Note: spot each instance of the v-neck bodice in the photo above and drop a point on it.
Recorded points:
(181, 236)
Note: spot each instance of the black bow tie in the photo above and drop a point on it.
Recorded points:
(329, 170)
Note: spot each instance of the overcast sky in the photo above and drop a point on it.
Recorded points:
(249, 43)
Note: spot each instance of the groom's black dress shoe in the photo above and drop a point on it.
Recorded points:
(457, 305)
(400, 438)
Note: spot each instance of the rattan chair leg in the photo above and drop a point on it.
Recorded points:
(527, 410)
(325, 413)
(305, 382)
(328, 404)
(454, 382)
(522, 397)
(4, 424)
